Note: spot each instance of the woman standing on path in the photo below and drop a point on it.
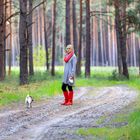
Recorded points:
(69, 74)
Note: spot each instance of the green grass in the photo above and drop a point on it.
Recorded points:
(42, 84)
(129, 132)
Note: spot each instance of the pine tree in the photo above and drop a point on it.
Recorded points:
(23, 43)
(2, 46)
(87, 65)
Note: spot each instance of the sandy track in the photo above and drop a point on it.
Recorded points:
(51, 121)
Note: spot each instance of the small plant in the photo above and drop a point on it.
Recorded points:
(116, 76)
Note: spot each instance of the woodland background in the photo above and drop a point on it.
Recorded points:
(35, 33)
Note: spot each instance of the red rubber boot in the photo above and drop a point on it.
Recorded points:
(66, 96)
(70, 101)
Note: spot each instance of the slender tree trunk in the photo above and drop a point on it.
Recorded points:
(109, 38)
(53, 39)
(68, 22)
(46, 40)
(87, 65)
(75, 38)
(101, 36)
(30, 44)
(120, 9)
(99, 44)
(123, 41)
(23, 43)
(10, 50)
(40, 24)
(117, 23)
(124, 63)
(78, 68)
(96, 42)
(2, 49)
(6, 6)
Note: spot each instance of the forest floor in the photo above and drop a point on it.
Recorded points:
(48, 120)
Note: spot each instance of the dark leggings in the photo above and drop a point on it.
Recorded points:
(64, 87)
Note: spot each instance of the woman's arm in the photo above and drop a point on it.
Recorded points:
(74, 61)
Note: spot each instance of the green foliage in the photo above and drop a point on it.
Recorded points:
(134, 122)
(116, 76)
(132, 14)
(39, 56)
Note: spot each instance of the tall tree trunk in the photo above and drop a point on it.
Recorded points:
(87, 65)
(109, 38)
(75, 38)
(123, 40)
(101, 36)
(53, 39)
(78, 68)
(30, 44)
(46, 40)
(6, 6)
(117, 24)
(10, 50)
(68, 22)
(2, 49)
(23, 43)
(120, 9)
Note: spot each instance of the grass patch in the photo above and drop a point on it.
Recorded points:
(43, 84)
(129, 132)
(103, 133)
(101, 120)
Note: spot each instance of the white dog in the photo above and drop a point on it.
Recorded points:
(28, 101)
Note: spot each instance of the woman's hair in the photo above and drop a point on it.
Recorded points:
(70, 46)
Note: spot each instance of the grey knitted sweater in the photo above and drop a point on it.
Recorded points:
(69, 70)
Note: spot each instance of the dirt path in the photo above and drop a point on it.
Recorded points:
(51, 121)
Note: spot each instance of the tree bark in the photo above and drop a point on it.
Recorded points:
(87, 65)
(23, 43)
(53, 39)
(30, 44)
(46, 40)
(67, 23)
(121, 33)
(123, 40)
(2, 49)
(10, 50)
(5, 32)
(75, 38)
(117, 24)
(78, 68)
